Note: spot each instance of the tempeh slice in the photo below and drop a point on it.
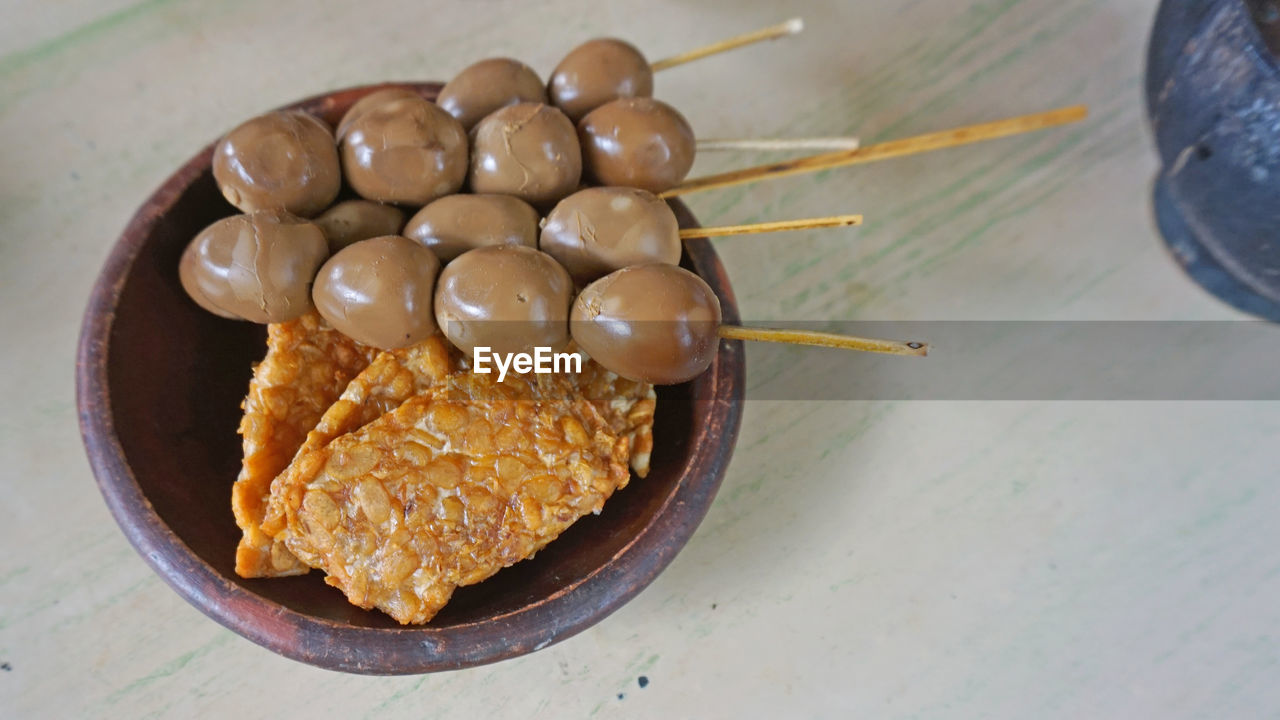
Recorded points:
(398, 375)
(627, 405)
(393, 377)
(473, 476)
(305, 369)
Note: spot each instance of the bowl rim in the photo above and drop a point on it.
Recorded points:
(402, 650)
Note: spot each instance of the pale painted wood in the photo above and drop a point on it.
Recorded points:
(863, 559)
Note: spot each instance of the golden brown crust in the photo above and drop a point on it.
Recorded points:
(392, 378)
(395, 376)
(457, 483)
(627, 405)
(306, 367)
(519, 460)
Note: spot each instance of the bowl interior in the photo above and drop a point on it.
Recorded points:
(178, 375)
(174, 378)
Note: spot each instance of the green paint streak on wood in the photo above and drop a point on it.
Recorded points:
(105, 603)
(647, 664)
(920, 64)
(948, 191)
(925, 74)
(49, 48)
(975, 202)
(94, 542)
(1036, 41)
(31, 610)
(757, 439)
(851, 582)
(795, 267)
(169, 668)
(1018, 208)
(799, 298)
(1091, 284)
(1218, 513)
(14, 573)
(848, 435)
(863, 423)
(960, 91)
(395, 697)
(980, 198)
(979, 22)
(758, 378)
(727, 199)
(752, 486)
(983, 16)
(877, 222)
(980, 455)
(935, 55)
(948, 215)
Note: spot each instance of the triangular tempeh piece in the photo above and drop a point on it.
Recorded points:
(455, 484)
(393, 377)
(306, 366)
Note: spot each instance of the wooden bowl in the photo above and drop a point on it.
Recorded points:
(159, 384)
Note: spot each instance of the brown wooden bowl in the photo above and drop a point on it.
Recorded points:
(159, 383)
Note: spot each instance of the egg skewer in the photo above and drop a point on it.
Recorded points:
(601, 229)
(605, 69)
(523, 134)
(662, 324)
(493, 83)
(654, 322)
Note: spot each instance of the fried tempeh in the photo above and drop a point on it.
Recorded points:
(306, 366)
(628, 407)
(455, 484)
(393, 377)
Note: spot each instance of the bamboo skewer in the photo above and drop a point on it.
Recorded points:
(886, 150)
(821, 339)
(778, 144)
(773, 226)
(790, 27)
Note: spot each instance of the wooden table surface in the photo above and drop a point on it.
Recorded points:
(864, 559)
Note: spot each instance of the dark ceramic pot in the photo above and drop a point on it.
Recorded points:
(1213, 96)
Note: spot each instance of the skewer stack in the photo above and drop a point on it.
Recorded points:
(509, 215)
(524, 156)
